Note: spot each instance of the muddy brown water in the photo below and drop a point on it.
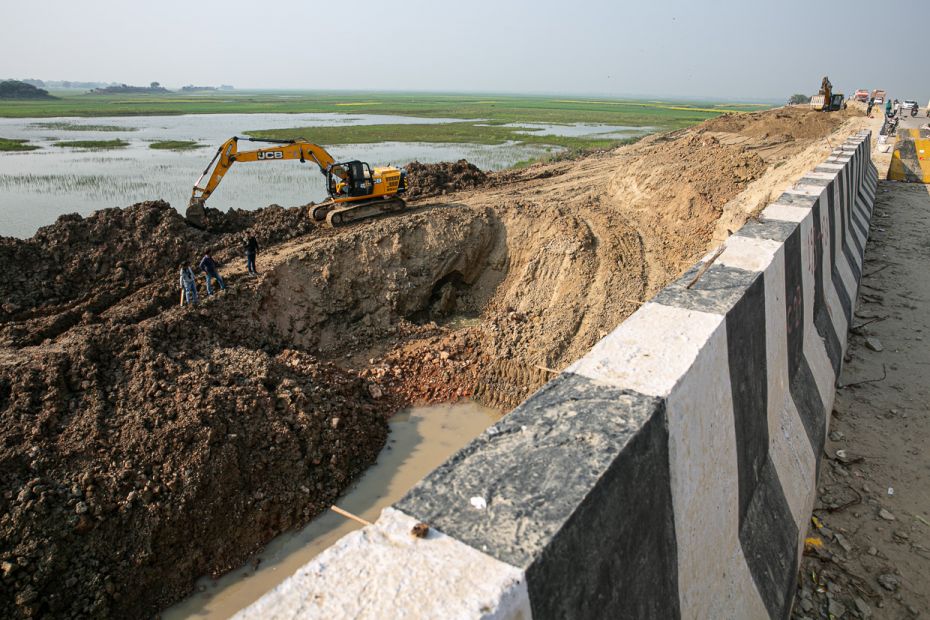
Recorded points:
(421, 438)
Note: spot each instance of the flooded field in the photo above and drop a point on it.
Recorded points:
(420, 440)
(38, 186)
(577, 130)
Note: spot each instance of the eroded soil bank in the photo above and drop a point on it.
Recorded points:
(143, 444)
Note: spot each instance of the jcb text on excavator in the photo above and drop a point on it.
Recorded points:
(356, 191)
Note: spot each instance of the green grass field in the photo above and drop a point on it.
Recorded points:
(92, 144)
(10, 145)
(501, 109)
(176, 145)
(483, 117)
(467, 132)
(69, 126)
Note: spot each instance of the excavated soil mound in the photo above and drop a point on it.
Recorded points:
(78, 267)
(142, 444)
(436, 179)
(273, 224)
(796, 123)
(74, 258)
(136, 457)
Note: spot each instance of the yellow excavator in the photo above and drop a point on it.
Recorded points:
(826, 100)
(356, 191)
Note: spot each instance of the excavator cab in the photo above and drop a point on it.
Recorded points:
(349, 179)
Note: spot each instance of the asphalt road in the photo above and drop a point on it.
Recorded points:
(914, 122)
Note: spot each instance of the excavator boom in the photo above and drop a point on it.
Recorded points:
(229, 153)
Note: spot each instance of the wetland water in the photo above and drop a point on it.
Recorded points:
(38, 186)
(420, 440)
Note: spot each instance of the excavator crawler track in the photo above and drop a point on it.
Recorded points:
(319, 212)
(357, 211)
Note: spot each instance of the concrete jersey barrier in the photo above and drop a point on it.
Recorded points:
(669, 473)
(910, 161)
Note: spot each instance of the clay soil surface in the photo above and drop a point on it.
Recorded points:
(143, 444)
(869, 551)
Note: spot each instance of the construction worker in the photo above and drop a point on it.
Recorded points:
(868, 111)
(209, 267)
(188, 284)
(887, 108)
(251, 249)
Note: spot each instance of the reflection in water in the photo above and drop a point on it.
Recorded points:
(38, 186)
(419, 441)
(578, 130)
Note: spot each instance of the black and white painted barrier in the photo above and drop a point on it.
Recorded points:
(669, 473)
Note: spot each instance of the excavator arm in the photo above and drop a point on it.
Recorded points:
(229, 153)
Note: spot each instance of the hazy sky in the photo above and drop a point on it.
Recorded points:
(749, 49)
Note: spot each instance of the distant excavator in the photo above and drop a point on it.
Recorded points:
(826, 100)
(356, 191)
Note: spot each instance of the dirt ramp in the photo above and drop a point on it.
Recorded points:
(589, 240)
(674, 192)
(562, 287)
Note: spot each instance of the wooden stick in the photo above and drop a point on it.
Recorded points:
(349, 515)
(706, 266)
(555, 372)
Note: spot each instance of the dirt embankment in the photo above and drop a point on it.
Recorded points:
(143, 444)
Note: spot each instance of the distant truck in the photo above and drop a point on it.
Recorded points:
(830, 103)
(862, 95)
(879, 96)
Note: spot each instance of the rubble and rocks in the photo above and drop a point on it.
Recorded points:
(875, 344)
(889, 582)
